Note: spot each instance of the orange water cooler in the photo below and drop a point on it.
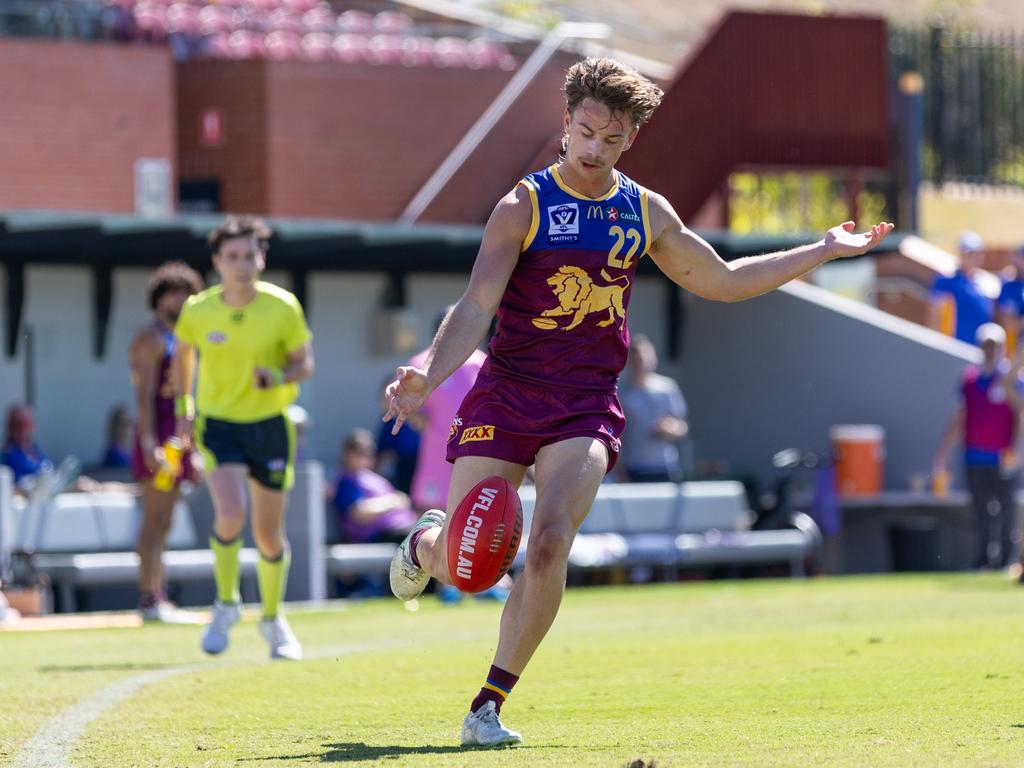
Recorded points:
(859, 451)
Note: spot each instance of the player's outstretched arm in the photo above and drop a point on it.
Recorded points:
(691, 262)
(464, 328)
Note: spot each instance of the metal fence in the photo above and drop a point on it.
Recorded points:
(62, 19)
(973, 101)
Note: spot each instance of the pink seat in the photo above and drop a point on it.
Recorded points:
(246, 44)
(355, 22)
(484, 52)
(451, 52)
(320, 19)
(287, 20)
(283, 45)
(251, 18)
(352, 49)
(386, 49)
(418, 51)
(216, 19)
(216, 46)
(317, 46)
(300, 6)
(392, 23)
(150, 21)
(184, 18)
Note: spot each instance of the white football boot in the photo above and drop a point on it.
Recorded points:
(407, 579)
(280, 638)
(225, 616)
(483, 728)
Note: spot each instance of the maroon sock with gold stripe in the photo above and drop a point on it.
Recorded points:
(496, 688)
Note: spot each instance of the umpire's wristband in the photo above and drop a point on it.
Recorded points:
(185, 407)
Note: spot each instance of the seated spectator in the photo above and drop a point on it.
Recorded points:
(398, 455)
(120, 435)
(655, 418)
(20, 452)
(368, 507)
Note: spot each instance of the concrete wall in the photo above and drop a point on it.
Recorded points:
(777, 371)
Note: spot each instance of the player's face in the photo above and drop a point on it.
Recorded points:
(170, 304)
(240, 261)
(597, 137)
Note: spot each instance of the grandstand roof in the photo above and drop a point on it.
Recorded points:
(117, 240)
(299, 246)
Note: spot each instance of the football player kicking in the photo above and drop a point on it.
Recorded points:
(560, 279)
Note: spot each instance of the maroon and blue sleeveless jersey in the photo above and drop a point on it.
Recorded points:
(562, 319)
(164, 403)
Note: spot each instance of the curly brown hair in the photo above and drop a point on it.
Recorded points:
(172, 276)
(239, 226)
(620, 88)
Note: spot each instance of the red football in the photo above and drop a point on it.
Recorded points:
(484, 534)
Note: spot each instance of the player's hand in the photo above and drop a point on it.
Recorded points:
(405, 395)
(265, 378)
(151, 454)
(183, 429)
(842, 241)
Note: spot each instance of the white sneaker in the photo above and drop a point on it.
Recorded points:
(225, 616)
(407, 579)
(483, 728)
(167, 613)
(280, 638)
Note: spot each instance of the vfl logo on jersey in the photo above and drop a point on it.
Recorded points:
(578, 296)
(476, 434)
(564, 223)
(216, 337)
(454, 430)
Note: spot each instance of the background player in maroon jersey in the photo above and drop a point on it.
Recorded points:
(150, 357)
(556, 263)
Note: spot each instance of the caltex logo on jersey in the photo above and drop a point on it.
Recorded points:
(216, 337)
(564, 223)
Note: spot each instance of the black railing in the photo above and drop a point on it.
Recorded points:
(973, 101)
(65, 19)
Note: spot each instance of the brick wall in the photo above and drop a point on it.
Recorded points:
(74, 118)
(357, 141)
(236, 91)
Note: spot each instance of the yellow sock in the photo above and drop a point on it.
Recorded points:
(273, 578)
(226, 568)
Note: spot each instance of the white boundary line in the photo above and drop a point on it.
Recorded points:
(51, 746)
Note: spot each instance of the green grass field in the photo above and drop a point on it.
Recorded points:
(887, 671)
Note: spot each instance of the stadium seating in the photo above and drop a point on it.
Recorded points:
(87, 540)
(252, 29)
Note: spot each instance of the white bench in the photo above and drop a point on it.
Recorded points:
(692, 525)
(87, 540)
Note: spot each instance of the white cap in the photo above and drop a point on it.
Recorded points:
(990, 332)
(971, 241)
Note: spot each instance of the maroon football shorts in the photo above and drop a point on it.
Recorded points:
(506, 419)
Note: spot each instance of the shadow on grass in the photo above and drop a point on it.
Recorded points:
(122, 667)
(347, 752)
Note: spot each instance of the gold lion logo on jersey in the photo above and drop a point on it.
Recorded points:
(579, 296)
